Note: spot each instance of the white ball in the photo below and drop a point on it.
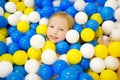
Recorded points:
(56, 3)
(1, 11)
(13, 19)
(32, 66)
(111, 3)
(117, 24)
(117, 14)
(10, 7)
(43, 21)
(112, 63)
(29, 3)
(8, 40)
(37, 41)
(87, 50)
(81, 18)
(18, 13)
(34, 17)
(116, 34)
(72, 36)
(118, 1)
(5, 69)
(63, 57)
(32, 76)
(24, 18)
(48, 57)
(97, 65)
(72, 0)
(79, 5)
(108, 26)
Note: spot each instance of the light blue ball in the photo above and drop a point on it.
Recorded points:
(3, 22)
(3, 47)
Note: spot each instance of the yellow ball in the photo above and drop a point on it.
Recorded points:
(6, 15)
(114, 49)
(34, 53)
(99, 32)
(2, 38)
(15, 1)
(97, 17)
(20, 57)
(20, 6)
(101, 51)
(4, 31)
(49, 45)
(87, 34)
(41, 29)
(6, 57)
(28, 10)
(108, 75)
(23, 26)
(74, 56)
(94, 75)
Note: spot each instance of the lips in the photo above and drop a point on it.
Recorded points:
(53, 37)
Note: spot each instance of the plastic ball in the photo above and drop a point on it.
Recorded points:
(32, 66)
(97, 17)
(115, 62)
(4, 31)
(56, 3)
(6, 57)
(90, 34)
(10, 7)
(101, 2)
(62, 47)
(108, 75)
(38, 3)
(15, 1)
(69, 73)
(49, 45)
(107, 13)
(74, 56)
(45, 72)
(71, 11)
(93, 24)
(8, 40)
(46, 3)
(115, 34)
(43, 21)
(85, 76)
(5, 68)
(72, 36)
(97, 65)
(114, 49)
(81, 18)
(15, 76)
(28, 10)
(30, 33)
(37, 41)
(78, 28)
(59, 65)
(34, 17)
(108, 24)
(75, 46)
(48, 56)
(29, 3)
(94, 75)
(91, 8)
(65, 4)
(11, 29)
(93, 42)
(101, 51)
(78, 68)
(20, 57)
(42, 29)
(2, 38)
(117, 14)
(79, 5)
(3, 47)
(2, 3)
(87, 50)
(33, 26)
(63, 57)
(32, 76)
(99, 32)
(20, 6)
(3, 22)
(1, 11)
(24, 18)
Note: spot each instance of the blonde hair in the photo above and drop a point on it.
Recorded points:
(69, 18)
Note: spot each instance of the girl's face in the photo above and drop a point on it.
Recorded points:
(57, 29)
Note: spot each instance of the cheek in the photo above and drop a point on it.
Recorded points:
(62, 35)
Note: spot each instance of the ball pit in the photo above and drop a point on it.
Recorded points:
(27, 54)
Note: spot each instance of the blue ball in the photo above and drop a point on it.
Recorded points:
(90, 1)
(30, 33)
(59, 65)
(85, 76)
(101, 2)
(75, 46)
(84, 63)
(15, 76)
(93, 24)
(11, 29)
(57, 78)
(33, 26)
(62, 47)
(20, 69)
(24, 42)
(47, 3)
(65, 4)
(71, 11)
(57, 9)
(78, 28)
(45, 72)
(3, 48)
(107, 13)
(38, 10)
(38, 3)
(99, 9)
(3, 22)
(16, 35)
(2, 3)
(91, 8)
(77, 68)
(93, 42)
(69, 74)
(13, 47)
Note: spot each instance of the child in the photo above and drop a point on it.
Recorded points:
(59, 23)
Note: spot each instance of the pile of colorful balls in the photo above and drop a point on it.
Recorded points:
(25, 54)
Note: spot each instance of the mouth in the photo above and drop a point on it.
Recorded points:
(53, 37)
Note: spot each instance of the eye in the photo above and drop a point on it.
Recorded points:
(61, 29)
(51, 26)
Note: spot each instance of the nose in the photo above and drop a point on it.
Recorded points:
(54, 31)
